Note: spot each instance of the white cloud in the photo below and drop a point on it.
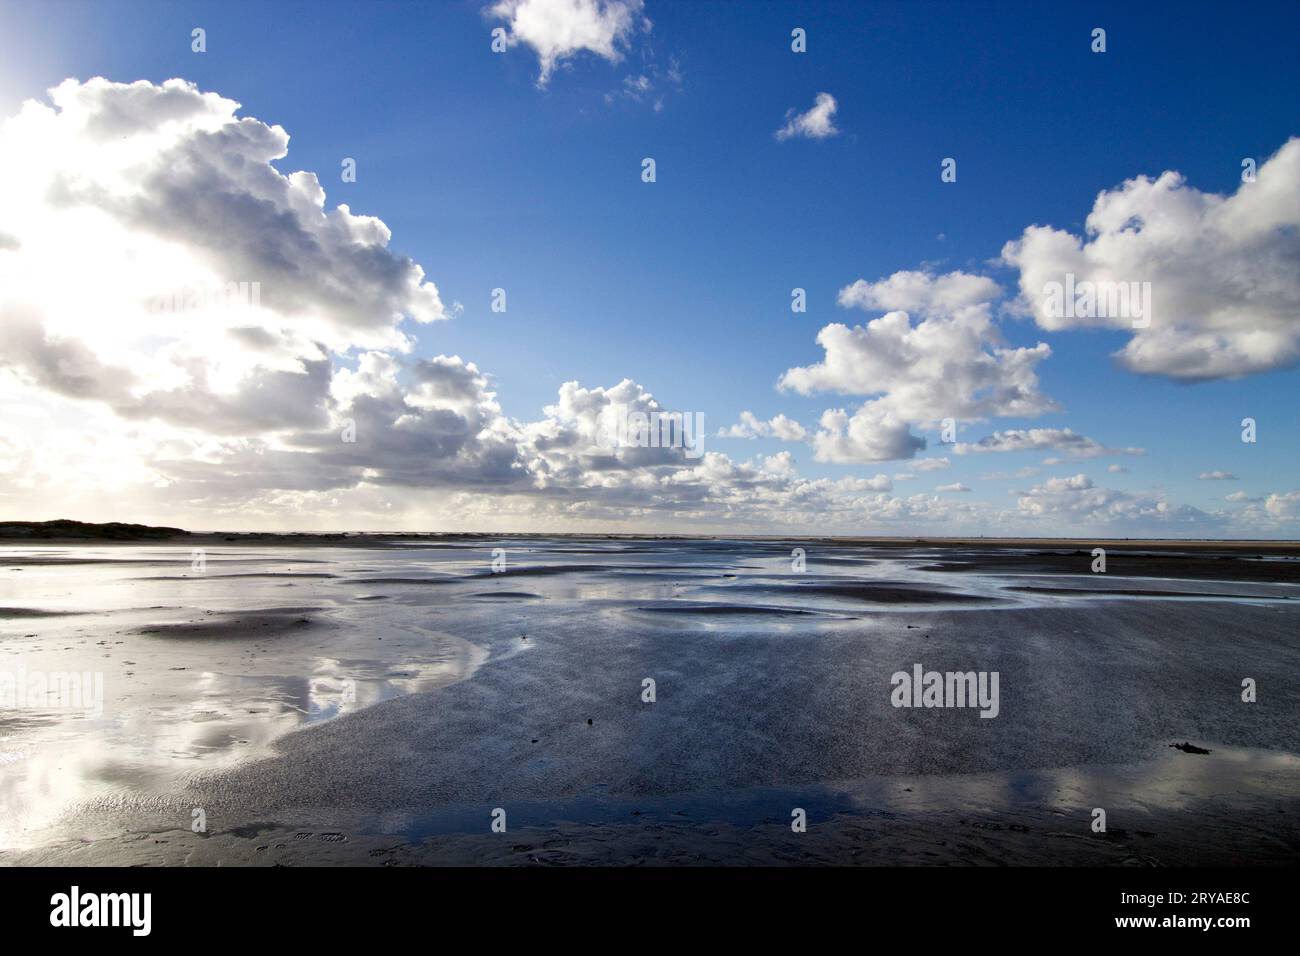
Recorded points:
(955, 486)
(1286, 506)
(652, 86)
(1224, 270)
(871, 433)
(931, 464)
(422, 424)
(1027, 472)
(874, 483)
(1038, 439)
(137, 211)
(950, 364)
(923, 292)
(1275, 513)
(241, 407)
(1217, 476)
(1077, 500)
(559, 29)
(750, 426)
(1270, 512)
(817, 123)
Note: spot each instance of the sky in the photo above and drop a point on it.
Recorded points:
(381, 175)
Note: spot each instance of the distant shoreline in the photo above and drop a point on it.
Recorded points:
(82, 532)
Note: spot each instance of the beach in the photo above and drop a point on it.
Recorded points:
(381, 701)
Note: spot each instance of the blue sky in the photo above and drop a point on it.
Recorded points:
(487, 179)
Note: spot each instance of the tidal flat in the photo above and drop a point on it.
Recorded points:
(663, 701)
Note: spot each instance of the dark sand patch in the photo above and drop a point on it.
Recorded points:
(886, 592)
(447, 579)
(1146, 592)
(819, 559)
(685, 569)
(27, 561)
(1119, 563)
(546, 570)
(10, 613)
(712, 610)
(16, 562)
(199, 576)
(269, 622)
(608, 570)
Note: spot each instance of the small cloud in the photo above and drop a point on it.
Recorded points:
(675, 72)
(750, 426)
(1036, 439)
(817, 123)
(560, 29)
(651, 86)
(931, 464)
(1217, 476)
(956, 486)
(1116, 469)
(1029, 471)
(782, 464)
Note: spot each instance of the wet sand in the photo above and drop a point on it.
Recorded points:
(327, 705)
(1247, 830)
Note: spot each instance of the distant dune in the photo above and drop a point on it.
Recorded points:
(64, 529)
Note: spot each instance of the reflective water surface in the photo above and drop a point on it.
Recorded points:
(205, 670)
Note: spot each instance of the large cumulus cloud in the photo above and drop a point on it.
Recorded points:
(950, 362)
(155, 260)
(1224, 271)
